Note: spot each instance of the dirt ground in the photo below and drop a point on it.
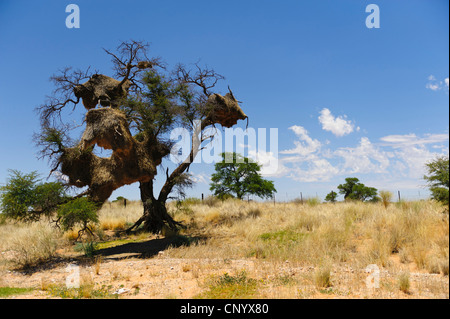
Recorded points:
(143, 270)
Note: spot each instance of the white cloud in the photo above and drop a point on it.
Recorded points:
(339, 126)
(364, 158)
(305, 145)
(316, 169)
(399, 141)
(396, 158)
(411, 152)
(200, 178)
(436, 85)
(433, 87)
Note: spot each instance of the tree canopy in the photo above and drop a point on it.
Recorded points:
(438, 179)
(239, 176)
(353, 189)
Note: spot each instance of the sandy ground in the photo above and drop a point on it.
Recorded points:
(159, 276)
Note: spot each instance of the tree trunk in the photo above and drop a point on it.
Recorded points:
(155, 214)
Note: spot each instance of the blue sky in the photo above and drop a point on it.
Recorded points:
(348, 101)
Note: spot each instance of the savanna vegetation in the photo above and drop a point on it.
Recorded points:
(238, 249)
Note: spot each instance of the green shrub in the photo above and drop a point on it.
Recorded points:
(24, 198)
(231, 287)
(78, 212)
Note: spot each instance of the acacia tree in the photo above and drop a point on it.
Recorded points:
(331, 197)
(353, 189)
(238, 176)
(438, 178)
(132, 114)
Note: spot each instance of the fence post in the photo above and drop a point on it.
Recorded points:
(202, 197)
(399, 199)
(301, 197)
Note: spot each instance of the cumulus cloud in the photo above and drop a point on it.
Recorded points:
(200, 178)
(315, 169)
(339, 126)
(364, 158)
(305, 162)
(393, 157)
(411, 152)
(305, 145)
(436, 85)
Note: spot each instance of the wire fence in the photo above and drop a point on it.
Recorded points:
(399, 195)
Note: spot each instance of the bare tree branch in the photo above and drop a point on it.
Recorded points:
(205, 78)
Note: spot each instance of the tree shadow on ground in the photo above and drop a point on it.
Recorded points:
(145, 249)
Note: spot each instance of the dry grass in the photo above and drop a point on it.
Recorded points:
(116, 216)
(355, 233)
(26, 245)
(297, 250)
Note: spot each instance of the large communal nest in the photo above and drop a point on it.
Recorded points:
(225, 110)
(101, 89)
(108, 128)
(131, 161)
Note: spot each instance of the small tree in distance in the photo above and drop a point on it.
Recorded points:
(353, 189)
(331, 197)
(239, 176)
(438, 179)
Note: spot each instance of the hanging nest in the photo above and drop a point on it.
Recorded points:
(225, 110)
(131, 161)
(101, 89)
(108, 128)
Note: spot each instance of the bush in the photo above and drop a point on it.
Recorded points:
(313, 201)
(23, 198)
(386, 197)
(78, 212)
(438, 179)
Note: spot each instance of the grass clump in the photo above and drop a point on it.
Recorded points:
(85, 291)
(404, 283)
(386, 197)
(88, 248)
(6, 292)
(231, 287)
(322, 277)
(283, 236)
